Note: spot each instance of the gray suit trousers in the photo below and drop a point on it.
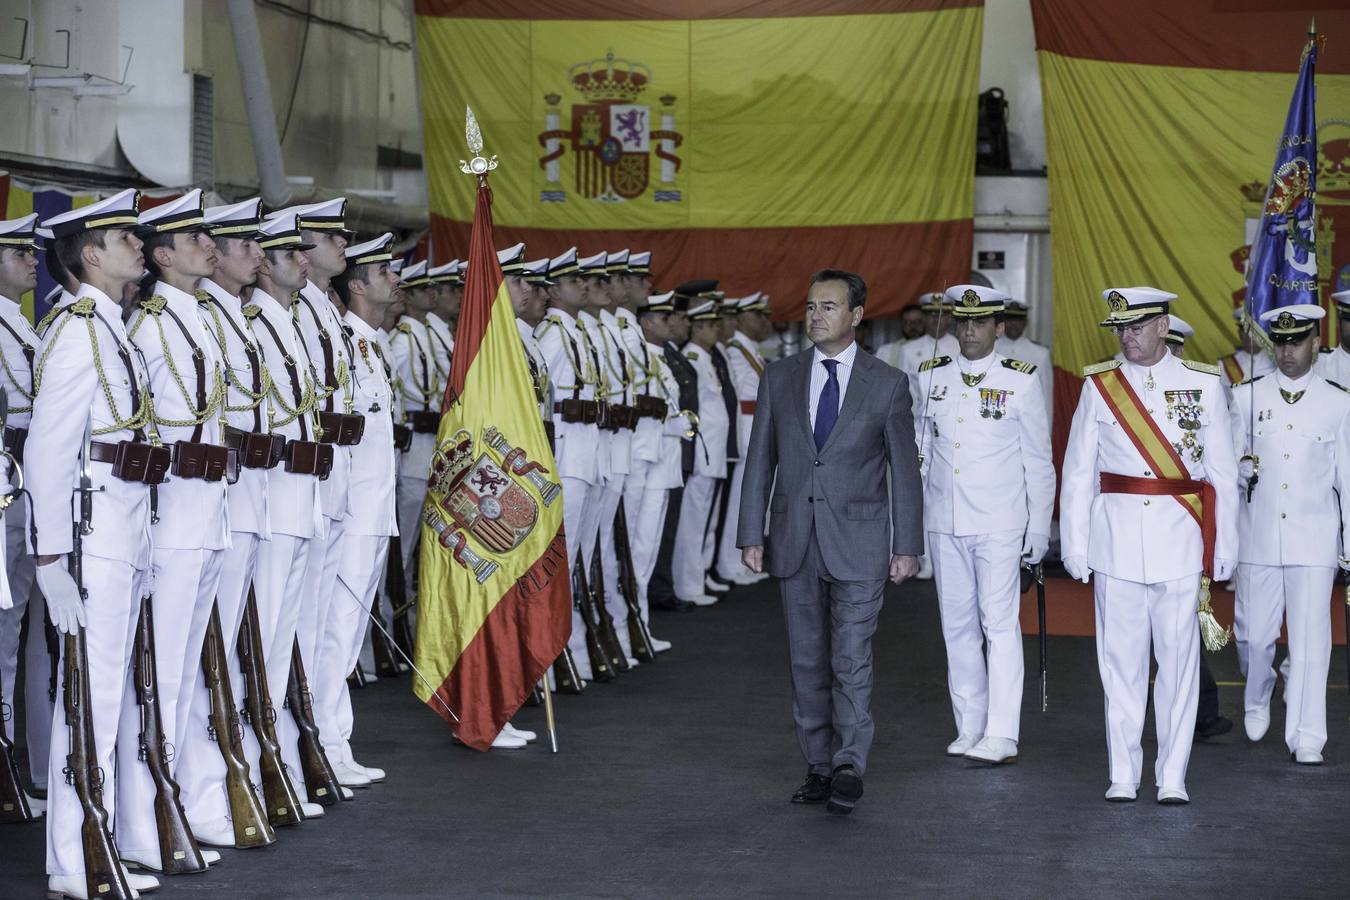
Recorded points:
(830, 623)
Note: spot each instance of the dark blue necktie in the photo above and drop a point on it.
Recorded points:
(827, 407)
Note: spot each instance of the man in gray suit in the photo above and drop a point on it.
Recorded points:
(830, 425)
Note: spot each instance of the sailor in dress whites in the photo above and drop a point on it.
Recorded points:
(190, 521)
(1016, 345)
(576, 444)
(1335, 365)
(1248, 360)
(1293, 431)
(530, 307)
(1157, 526)
(935, 341)
(989, 487)
(746, 365)
(710, 457)
(911, 327)
(444, 316)
(18, 350)
(91, 394)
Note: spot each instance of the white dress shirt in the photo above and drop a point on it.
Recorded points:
(820, 374)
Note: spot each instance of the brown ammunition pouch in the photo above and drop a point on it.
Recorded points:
(402, 438)
(619, 416)
(255, 450)
(586, 412)
(651, 408)
(209, 462)
(15, 438)
(309, 458)
(343, 429)
(133, 461)
(425, 422)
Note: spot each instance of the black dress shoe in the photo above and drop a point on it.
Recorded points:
(1213, 727)
(846, 788)
(674, 604)
(815, 789)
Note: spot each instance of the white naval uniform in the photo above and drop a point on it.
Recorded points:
(1290, 537)
(415, 369)
(442, 345)
(576, 447)
(618, 368)
(924, 348)
(1027, 350)
(710, 465)
(191, 532)
(539, 375)
(295, 512)
(1253, 366)
(889, 353)
(1146, 556)
(201, 770)
(988, 482)
(1333, 366)
(746, 367)
(72, 390)
(365, 543)
(18, 348)
(592, 345)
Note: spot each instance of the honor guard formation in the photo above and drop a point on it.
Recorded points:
(217, 449)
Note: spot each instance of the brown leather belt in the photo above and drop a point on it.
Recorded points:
(309, 458)
(343, 429)
(425, 422)
(651, 407)
(586, 412)
(209, 462)
(132, 460)
(15, 438)
(255, 449)
(619, 416)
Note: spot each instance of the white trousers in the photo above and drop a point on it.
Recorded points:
(729, 565)
(1130, 616)
(28, 603)
(646, 512)
(574, 495)
(1298, 596)
(114, 590)
(201, 770)
(185, 590)
(284, 563)
(410, 494)
(978, 583)
(688, 564)
(615, 606)
(359, 574)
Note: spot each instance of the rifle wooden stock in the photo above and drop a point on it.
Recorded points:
(103, 875)
(178, 850)
(565, 673)
(320, 779)
(585, 602)
(638, 635)
(53, 654)
(609, 638)
(386, 659)
(13, 801)
(251, 828)
(396, 589)
(280, 795)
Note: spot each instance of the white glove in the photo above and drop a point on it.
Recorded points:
(1077, 568)
(64, 603)
(1246, 469)
(1223, 569)
(1034, 548)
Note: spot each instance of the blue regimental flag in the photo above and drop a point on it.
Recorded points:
(1282, 269)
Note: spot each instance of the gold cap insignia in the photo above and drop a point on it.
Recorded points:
(970, 298)
(1286, 320)
(1117, 302)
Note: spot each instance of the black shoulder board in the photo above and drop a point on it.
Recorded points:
(1335, 385)
(1326, 350)
(1018, 366)
(936, 362)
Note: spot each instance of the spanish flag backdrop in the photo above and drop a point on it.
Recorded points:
(752, 141)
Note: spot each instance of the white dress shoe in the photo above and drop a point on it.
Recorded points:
(504, 741)
(962, 745)
(210, 857)
(374, 773)
(1256, 721)
(700, 600)
(632, 663)
(520, 732)
(347, 776)
(994, 750)
(218, 833)
(140, 884)
(1306, 757)
(345, 792)
(714, 587)
(69, 886)
(311, 810)
(659, 645)
(1173, 796)
(36, 805)
(1120, 792)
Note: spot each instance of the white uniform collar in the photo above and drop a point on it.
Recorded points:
(972, 366)
(173, 295)
(1293, 384)
(101, 300)
(360, 326)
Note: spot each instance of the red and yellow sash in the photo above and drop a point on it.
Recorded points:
(749, 358)
(1232, 369)
(1173, 478)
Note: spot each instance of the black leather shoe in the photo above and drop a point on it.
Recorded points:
(815, 789)
(1213, 727)
(846, 788)
(674, 604)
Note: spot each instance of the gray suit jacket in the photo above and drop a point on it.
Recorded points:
(841, 489)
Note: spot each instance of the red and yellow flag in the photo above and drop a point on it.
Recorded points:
(495, 606)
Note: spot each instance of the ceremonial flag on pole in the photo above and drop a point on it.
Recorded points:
(495, 602)
(1283, 266)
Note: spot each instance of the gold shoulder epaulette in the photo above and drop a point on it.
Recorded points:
(404, 327)
(252, 311)
(1018, 365)
(1194, 366)
(691, 354)
(936, 362)
(1106, 366)
(84, 307)
(154, 304)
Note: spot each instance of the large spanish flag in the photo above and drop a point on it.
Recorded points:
(752, 141)
(495, 602)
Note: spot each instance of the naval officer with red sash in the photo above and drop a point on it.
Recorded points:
(1148, 504)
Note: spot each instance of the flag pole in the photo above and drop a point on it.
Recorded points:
(548, 713)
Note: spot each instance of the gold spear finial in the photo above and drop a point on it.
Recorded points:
(474, 136)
